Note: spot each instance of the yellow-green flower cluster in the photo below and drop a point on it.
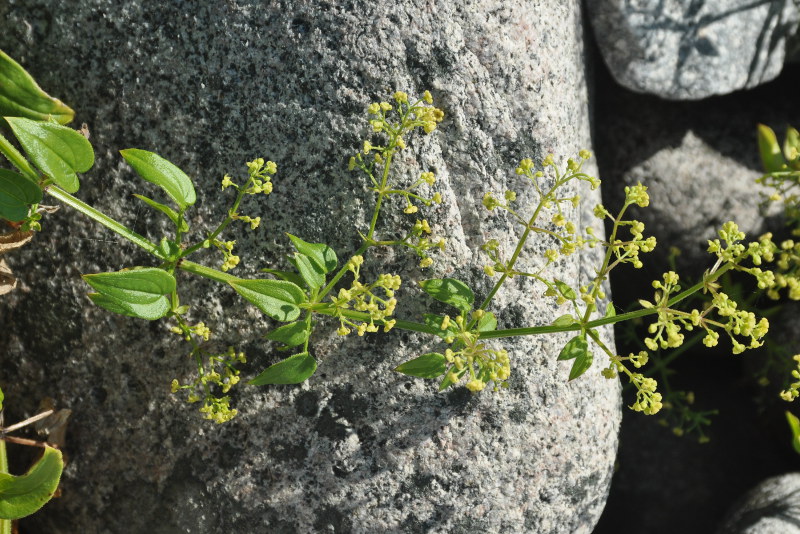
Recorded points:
(394, 123)
(637, 360)
(562, 230)
(259, 177)
(419, 241)
(666, 330)
(793, 391)
(637, 194)
(648, 400)
(627, 251)
(787, 261)
(477, 363)
(732, 250)
(361, 297)
(740, 323)
(230, 260)
(218, 374)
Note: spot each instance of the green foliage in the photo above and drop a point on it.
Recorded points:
(162, 173)
(137, 292)
(21, 96)
(313, 284)
(428, 365)
(59, 152)
(277, 298)
(17, 195)
(291, 335)
(23, 495)
(450, 291)
(292, 370)
(794, 427)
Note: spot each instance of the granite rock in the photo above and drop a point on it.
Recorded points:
(210, 85)
(699, 161)
(772, 507)
(691, 49)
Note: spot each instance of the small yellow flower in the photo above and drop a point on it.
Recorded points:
(427, 97)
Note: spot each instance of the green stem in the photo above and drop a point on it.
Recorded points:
(517, 251)
(224, 224)
(207, 272)
(604, 270)
(364, 317)
(105, 220)
(537, 330)
(5, 524)
(18, 160)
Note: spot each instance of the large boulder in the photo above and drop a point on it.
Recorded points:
(687, 50)
(210, 85)
(771, 507)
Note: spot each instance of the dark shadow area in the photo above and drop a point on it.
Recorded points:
(666, 484)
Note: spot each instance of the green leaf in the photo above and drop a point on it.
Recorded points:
(168, 249)
(770, 150)
(794, 426)
(277, 298)
(58, 151)
(176, 218)
(435, 322)
(2, 398)
(450, 291)
(322, 255)
(610, 311)
(21, 496)
(289, 276)
(17, 193)
(149, 311)
(162, 173)
(311, 273)
(566, 291)
(292, 370)
(574, 348)
(564, 320)
(291, 334)
(487, 323)
(581, 364)
(428, 365)
(135, 293)
(135, 286)
(446, 382)
(791, 148)
(21, 96)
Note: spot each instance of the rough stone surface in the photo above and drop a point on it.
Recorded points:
(699, 161)
(211, 85)
(691, 49)
(772, 507)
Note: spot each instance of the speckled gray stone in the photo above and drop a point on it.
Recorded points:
(210, 85)
(691, 49)
(772, 507)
